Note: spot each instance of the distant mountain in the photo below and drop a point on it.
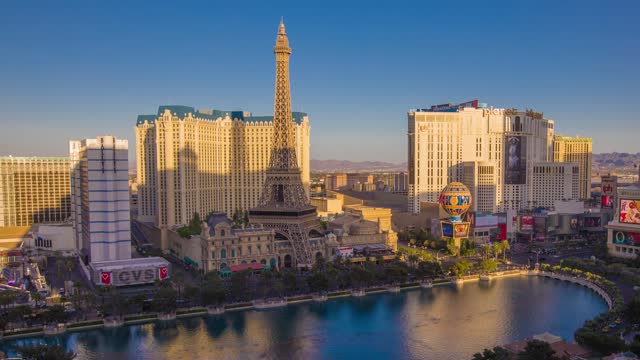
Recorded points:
(355, 166)
(617, 161)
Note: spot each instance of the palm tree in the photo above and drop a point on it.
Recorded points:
(486, 251)
(178, 281)
(37, 297)
(60, 266)
(505, 246)
(497, 248)
(413, 259)
(70, 265)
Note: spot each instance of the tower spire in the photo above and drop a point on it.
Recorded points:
(284, 206)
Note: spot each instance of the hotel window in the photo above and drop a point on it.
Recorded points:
(223, 254)
(213, 254)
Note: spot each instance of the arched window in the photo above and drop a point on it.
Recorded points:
(223, 254)
(233, 253)
(222, 232)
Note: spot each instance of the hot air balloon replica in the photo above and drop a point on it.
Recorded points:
(455, 200)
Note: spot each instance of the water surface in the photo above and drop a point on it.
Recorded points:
(440, 323)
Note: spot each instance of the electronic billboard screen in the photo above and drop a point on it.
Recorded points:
(515, 160)
(630, 211)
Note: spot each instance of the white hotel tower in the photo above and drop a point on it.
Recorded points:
(504, 156)
(100, 198)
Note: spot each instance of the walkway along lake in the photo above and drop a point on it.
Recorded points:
(445, 322)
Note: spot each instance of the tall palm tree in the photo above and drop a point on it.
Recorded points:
(413, 259)
(505, 246)
(37, 297)
(178, 280)
(497, 248)
(69, 265)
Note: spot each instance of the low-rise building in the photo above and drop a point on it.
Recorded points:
(51, 238)
(223, 246)
(327, 206)
(623, 232)
(352, 230)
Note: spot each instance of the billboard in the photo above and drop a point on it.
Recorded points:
(455, 230)
(626, 238)
(105, 278)
(590, 222)
(573, 223)
(540, 224)
(502, 234)
(515, 150)
(345, 251)
(470, 216)
(163, 272)
(608, 185)
(630, 211)
(461, 230)
(607, 202)
(526, 223)
(447, 229)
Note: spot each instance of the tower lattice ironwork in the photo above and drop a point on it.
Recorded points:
(284, 205)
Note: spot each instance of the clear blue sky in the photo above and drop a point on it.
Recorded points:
(77, 69)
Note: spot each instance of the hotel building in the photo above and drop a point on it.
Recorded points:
(100, 198)
(208, 160)
(335, 181)
(575, 150)
(34, 190)
(495, 152)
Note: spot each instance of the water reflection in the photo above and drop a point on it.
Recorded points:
(445, 322)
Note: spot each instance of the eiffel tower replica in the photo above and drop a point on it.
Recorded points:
(284, 206)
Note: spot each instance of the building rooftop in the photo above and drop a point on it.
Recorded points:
(129, 263)
(182, 111)
(23, 158)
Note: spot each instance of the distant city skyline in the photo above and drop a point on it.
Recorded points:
(355, 69)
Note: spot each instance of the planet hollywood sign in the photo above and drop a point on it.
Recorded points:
(133, 276)
(492, 111)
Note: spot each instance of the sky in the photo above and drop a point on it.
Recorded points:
(78, 69)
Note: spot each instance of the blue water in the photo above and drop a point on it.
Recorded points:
(440, 323)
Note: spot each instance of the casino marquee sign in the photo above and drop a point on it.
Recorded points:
(124, 276)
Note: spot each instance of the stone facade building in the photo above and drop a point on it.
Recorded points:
(223, 246)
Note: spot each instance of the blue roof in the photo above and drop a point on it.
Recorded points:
(182, 111)
(215, 219)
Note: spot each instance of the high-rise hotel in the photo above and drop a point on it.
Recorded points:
(34, 190)
(575, 150)
(504, 156)
(100, 198)
(206, 160)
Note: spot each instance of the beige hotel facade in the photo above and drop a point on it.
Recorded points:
(497, 153)
(34, 190)
(205, 161)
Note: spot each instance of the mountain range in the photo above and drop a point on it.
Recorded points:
(355, 166)
(615, 160)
